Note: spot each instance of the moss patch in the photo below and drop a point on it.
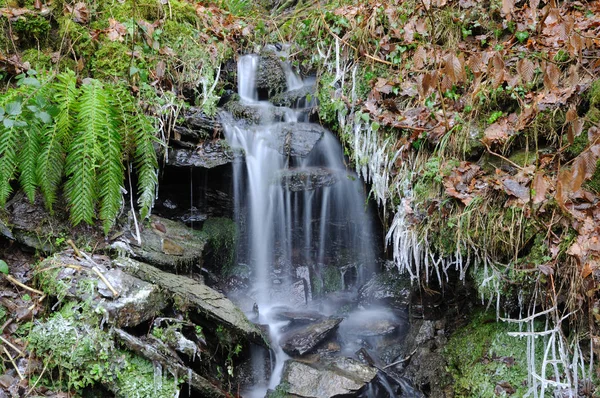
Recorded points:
(222, 237)
(481, 355)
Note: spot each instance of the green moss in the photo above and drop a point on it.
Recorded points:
(481, 354)
(37, 59)
(47, 280)
(594, 94)
(332, 279)
(112, 61)
(138, 379)
(523, 158)
(76, 36)
(2, 314)
(222, 237)
(32, 27)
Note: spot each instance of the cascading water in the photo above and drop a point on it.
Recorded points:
(301, 214)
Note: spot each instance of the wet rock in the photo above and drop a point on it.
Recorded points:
(308, 179)
(136, 301)
(192, 294)
(300, 98)
(296, 139)
(199, 125)
(270, 76)
(335, 378)
(385, 289)
(207, 154)
(304, 339)
(169, 244)
(254, 114)
(297, 317)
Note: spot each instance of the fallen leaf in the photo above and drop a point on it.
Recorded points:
(79, 11)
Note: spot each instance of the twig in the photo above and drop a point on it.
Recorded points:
(406, 358)
(11, 345)
(47, 362)
(500, 156)
(106, 282)
(8, 322)
(16, 282)
(72, 244)
(14, 364)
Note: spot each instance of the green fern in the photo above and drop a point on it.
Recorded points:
(55, 137)
(49, 131)
(84, 153)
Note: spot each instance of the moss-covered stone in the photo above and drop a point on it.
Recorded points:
(112, 61)
(37, 59)
(481, 354)
(222, 237)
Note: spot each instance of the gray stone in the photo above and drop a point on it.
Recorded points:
(137, 301)
(193, 294)
(296, 139)
(297, 317)
(304, 339)
(385, 289)
(335, 378)
(254, 113)
(300, 98)
(169, 244)
(308, 179)
(207, 154)
(270, 76)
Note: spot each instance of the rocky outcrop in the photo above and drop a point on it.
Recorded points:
(207, 154)
(126, 300)
(270, 76)
(339, 377)
(308, 179)
(296, 139)
(168, 244)
(194, 295)
(306, 338)
(304, 97)
(386, 289)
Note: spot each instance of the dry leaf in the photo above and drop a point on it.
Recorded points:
(540, 187)
(79, 11)
(526, 70)
(419, 58)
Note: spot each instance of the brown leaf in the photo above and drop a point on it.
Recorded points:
(507, 7)
(79, 11)
(526, 70)
(497, 70)
(546, 269)
(37, 4)
(454, 68)
(116, 30)
(419, 58)
(586, 271)
(496, 132)
(551, 76)
(513, 188)
(540, 186)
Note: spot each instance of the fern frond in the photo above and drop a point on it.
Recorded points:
(84, 152)
(66, 94)
(110, 176)
(28, 155)
(8, 160)
(146, 163)
(50, 164)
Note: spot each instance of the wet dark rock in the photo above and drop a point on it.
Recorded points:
(207, 154)
(198, 124)
(339, 377)
(66, 275)
(254, 114)
(270, 76)
(169, 244)
(300, 98)
(306, 338)
(212, 305)
(296, 139)
(385, 289)
(297, 317)
(308, 179)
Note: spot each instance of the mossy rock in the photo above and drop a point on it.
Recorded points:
(481, 355)
(222, 235)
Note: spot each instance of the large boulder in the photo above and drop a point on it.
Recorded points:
(168, 244)
(308, 179)
(306, 338)
(192, 294)
(126, 300)
(207, 154)
(296, 139)
(339, 377)
(303, 97)
(270, 76)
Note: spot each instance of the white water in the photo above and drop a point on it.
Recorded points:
(284, 233)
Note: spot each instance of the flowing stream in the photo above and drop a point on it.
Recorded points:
(304, 225)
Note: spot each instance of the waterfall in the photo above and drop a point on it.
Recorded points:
(298, 208)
